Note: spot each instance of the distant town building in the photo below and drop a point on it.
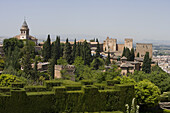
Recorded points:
(25, 33)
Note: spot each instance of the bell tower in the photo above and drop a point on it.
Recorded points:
(24, 31)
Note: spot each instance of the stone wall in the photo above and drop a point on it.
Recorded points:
(142, 48)
(110, 45)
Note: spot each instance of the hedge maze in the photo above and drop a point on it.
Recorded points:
(55, 97)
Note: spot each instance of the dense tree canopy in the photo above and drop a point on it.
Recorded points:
(11, 44)
(147, 93)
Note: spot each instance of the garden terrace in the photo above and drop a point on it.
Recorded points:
(58, 96)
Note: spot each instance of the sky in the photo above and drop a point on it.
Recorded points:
(137, 19)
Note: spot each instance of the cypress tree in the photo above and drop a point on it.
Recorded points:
(47, 49)
(132, 55)
(77, 50)
(74, 50)
(59, 47)
(97, 40)
(146, 67)
(108, 59)
(137, 55)
(124, 51)
(56, 50)
(86, 53)
(98, 49)
(26, 60)
(67, 52)
(35, 68)
(51, 68)
(127, 54)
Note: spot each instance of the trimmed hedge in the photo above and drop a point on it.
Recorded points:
(17, 85)
(87, 82)
(112, 82)
(165, 97)
(73, 87)
(51, 83)
(100, 86)
(73, 98)
(4, 89)
(35, 88)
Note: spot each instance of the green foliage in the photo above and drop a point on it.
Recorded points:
(69, 98)
(132, 55)
(108, 59)
(147, 93)
(137, 54)
(51, 67)
(86, 53)
(35, 88)
(11, 44)
(97, 63)
(67, 52)
(113, 82)
(166, 111)
(56, 50)
(128, 54)
(98, 49)
(86, 82)
(26, 60)
(62, 61)
(78, 50)
(2, 64)
(74, 50)
(6, 80)
(65, 75)
(46, 52)
(146, 67)
(157, 76)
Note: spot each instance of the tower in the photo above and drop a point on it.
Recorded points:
(128, 43)
(24, 31)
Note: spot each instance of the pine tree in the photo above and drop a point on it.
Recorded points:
(74, 50)
(146, 67)
(47, 49)
(137, 55)
(98, 49)
(108, 59)
(132, 55)
(67, 52)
